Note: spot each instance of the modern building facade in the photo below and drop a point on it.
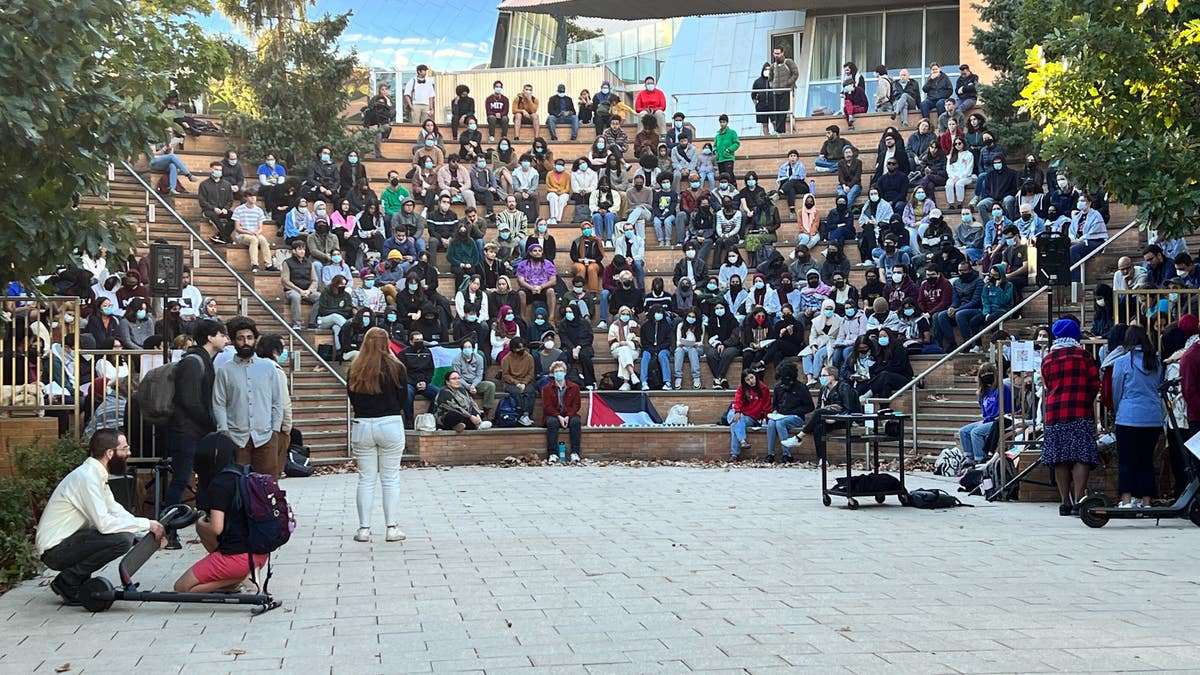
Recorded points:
(707, 60)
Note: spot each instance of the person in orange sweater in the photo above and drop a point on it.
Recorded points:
(516, 371)
(558, 189)
(560, 410)
(525, 108)
(751, 404)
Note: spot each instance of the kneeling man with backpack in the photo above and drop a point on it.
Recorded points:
(246, 517)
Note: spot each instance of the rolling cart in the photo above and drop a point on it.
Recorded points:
(883, 422)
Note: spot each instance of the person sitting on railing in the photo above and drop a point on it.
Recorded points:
(965, 308)
(974, 435)
(969, 235)
(1087, 231)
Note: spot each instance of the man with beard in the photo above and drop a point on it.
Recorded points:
(246, 413)
(83, 528)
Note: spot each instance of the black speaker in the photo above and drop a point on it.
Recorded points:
(166, 270)
(1053, 259)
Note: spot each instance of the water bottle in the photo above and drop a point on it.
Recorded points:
(562, 451)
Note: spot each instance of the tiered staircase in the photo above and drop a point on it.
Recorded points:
(319, 397)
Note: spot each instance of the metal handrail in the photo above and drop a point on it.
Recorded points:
(675, 101)
(967, 344)
(242, 285)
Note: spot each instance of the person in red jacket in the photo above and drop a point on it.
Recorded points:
(751, 405)
(560, 410)
(935, 293)
(1189, 376)
(651, 101)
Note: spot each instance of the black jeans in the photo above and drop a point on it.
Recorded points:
(574, 427)
(1135, 460)
(819, 428)
(793, 187)
(84, 552)
(182, 448)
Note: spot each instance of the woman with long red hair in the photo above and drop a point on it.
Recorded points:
(378, 390)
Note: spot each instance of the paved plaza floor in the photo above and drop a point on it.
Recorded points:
(622, 569)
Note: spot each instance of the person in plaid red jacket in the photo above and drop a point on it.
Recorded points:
(1072, 380)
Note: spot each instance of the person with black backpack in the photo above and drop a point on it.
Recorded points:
(223, 529)
(192, 416)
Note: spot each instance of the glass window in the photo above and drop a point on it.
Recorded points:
(864, 41)
(645, 38)
(941, 36)
(903, 49)
(786, 42)
(827, 49)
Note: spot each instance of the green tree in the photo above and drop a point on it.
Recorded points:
(289, 90)
(1113, 87)
(80, 85)
(1003, 50)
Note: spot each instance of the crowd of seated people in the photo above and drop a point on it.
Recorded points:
(942, 223)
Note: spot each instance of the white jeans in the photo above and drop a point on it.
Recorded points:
(956, 189)
(378, 445)
(558, 203)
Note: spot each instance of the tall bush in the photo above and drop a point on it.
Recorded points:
(23, 497)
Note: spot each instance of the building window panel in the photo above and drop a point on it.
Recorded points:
(904, 35)
(827, 49)
(864, 41)
(941, 36)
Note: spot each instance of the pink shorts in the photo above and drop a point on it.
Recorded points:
(217, 566)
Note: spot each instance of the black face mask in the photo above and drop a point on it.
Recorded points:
(735, 287)
(987, 380)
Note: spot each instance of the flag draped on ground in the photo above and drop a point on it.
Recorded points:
(614, 409)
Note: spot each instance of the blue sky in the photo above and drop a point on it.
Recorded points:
(402, 33)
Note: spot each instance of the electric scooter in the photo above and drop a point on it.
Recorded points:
(1095, 510)
(98, 594)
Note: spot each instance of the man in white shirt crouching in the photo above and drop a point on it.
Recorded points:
(83, 527)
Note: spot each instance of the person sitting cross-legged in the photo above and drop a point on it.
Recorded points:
(560, 410)
(837, 396)
(222, 528)
(455, 409)
(83, 528)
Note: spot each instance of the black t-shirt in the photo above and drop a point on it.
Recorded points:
(220, 496)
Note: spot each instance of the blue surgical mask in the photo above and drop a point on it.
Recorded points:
(695, 185)
(678, 124)
(712, 287)
(909, 311)
(875, 198)
(510, 316)
(758, 285)
(413, 286)
(920, 196)
(587, 231)
(691, 319)
(850, 311)
(629, 234)
(481, 164)
(569, 316)
(216, 174)
(542, 227)
(1081, 204)
(666, 187)
(472, 126)
(504, 146)
(366, 321)
(966, 218)
(391, 318)
(560, 167)
(324, 156)
(828, 313)
(539, 321)
(1009, 241)
(604, 90)
(560, 376)
(505, 234)
(369, 283)
(352, 159)
(625, 318)
(658, 316)
(468, 352)
(497, 89)
(141, 314)
(336, 258)
(884, 340)
(997, 166)
(524, 165)
(707, 151)
(996, 213)
(750, 182)
(283, 357)
(428, 165)
(720, 311)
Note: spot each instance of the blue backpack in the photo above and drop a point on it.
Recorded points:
(507, 414)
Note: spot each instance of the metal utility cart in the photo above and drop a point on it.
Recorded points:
(872, 439)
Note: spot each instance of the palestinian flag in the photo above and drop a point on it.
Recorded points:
(621, 408)
(442, 358)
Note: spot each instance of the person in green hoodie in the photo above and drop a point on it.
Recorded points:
(725, 146)
(394, 196)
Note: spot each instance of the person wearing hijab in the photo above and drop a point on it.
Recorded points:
(724, 338)
(810, 224)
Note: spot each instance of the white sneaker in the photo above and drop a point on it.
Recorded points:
(624, 387)
(485, 425)
(1127, 505)
(602, 325)
(790, 442)
(666, 387)
(525, 421)
(394, 533)
(553, 458)
(574, 457)
(645, 387)
(363, 534)
(608, 244)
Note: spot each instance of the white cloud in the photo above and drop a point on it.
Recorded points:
(389, 40)
(415, 41)
(452, 54)
(360, 37)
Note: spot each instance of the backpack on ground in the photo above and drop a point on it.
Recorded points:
(156, 392)
(299, 462)
(506, 414)
(950, 462)
(610, 381)
(269, 519)
(925, 498)
(993, 480)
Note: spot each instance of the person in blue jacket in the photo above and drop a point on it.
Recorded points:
(973, 436)
(1136, 377)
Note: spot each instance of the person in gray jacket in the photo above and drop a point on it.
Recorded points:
(471, 365)
(246, 403)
